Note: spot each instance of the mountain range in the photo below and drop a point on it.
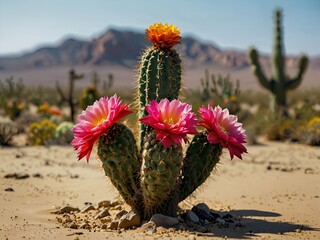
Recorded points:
(118, 51)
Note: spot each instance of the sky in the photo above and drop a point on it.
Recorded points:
(231, 24)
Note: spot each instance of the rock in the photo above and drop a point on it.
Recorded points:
(9, 189)
(104, 226)
(114, 203)
(164, 221)
(113, 225)
(148, 227)
(37, 175)
(227, 216)
(107, 219)
(104, 203)
(120, 214)
(192, 237)
(17, 175)
(72, 225)
(131, 219)
(87, 208)
(190, 215)
(66, 209)
(203, 214)
(215, 215)
(102, 214)
(84, 226)
(203, 206)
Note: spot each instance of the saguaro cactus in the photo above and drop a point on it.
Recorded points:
(155, 175)
(70, 99)
(279, 83)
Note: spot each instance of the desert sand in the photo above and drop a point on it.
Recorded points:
(274, 191)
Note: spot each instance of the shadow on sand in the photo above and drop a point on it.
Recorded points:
(252, 223)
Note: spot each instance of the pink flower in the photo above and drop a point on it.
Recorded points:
(172, 121)
(223, 128)
(95, 121)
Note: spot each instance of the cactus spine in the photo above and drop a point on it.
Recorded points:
(279, 83)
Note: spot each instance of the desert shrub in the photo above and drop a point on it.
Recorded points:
(310, 134)
(63, 133)
(41, 132)
(7, 131)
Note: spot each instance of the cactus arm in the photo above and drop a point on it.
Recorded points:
(302, 67)
(59, 90)
(200, 160)
(257, 69)
(118, 153)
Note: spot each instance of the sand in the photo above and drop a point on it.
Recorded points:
(275, 190)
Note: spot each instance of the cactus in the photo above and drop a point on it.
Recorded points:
(70, 99)
(89, 95)
(63, 133)
(153, 174)
(279, 83)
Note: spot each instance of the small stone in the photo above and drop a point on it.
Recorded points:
(215, 215)
(203, 214)
(87, 208)
(180, 219)
(102, 214)
(17, 175)
(9, 189)
(203, 230)
(227, 216)
(130, 220)
(147, 227)
(203, 206)
(72, 225)
(192, 237)
(104, 203)
(84, 226)
(118, 207)
(104, 226)
(37, 175)
(66, 209)
(164, 221)
(120, 214)
(113, 225)
(192, 216)
(107, 219)
(114, 203)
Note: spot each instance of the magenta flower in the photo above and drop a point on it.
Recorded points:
(95, 121)
(172, 121)
(223, 128)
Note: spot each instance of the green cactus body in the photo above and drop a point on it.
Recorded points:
(119, 155)
(200, 160)
(279, 83)
(63, 132)
(160, 171)
(160, 77)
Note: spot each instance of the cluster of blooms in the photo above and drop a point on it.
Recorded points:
(172, 121)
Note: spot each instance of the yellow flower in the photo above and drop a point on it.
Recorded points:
(163, 36)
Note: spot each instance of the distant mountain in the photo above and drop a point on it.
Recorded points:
(123, 48)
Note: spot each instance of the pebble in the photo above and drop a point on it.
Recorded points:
(191, 216)
(102, 214)
(17, 175)
(9, 189)
(87, 208)
(37, 175)
(107, 219)
(192, 237)
(114, 203)
(113, 225)
(131, 219)
(227, 216)
(147, 227)
(66, 209)
(215, 215)
(120, 214)
(104, 226)
(203, 206)
(104, 203)
(72, 225)
(203, 214)
(84, 226)
(164, 221)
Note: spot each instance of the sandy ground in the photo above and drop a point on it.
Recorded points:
(275, 190)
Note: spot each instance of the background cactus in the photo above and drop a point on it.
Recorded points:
(42, 132)
(63, 133)
(70, 98)
(279, 83)
(89, 95)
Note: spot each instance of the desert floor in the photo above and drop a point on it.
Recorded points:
(275, 190)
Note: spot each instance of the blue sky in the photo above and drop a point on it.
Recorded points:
(238, 24)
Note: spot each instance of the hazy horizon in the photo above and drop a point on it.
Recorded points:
(231, 24)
